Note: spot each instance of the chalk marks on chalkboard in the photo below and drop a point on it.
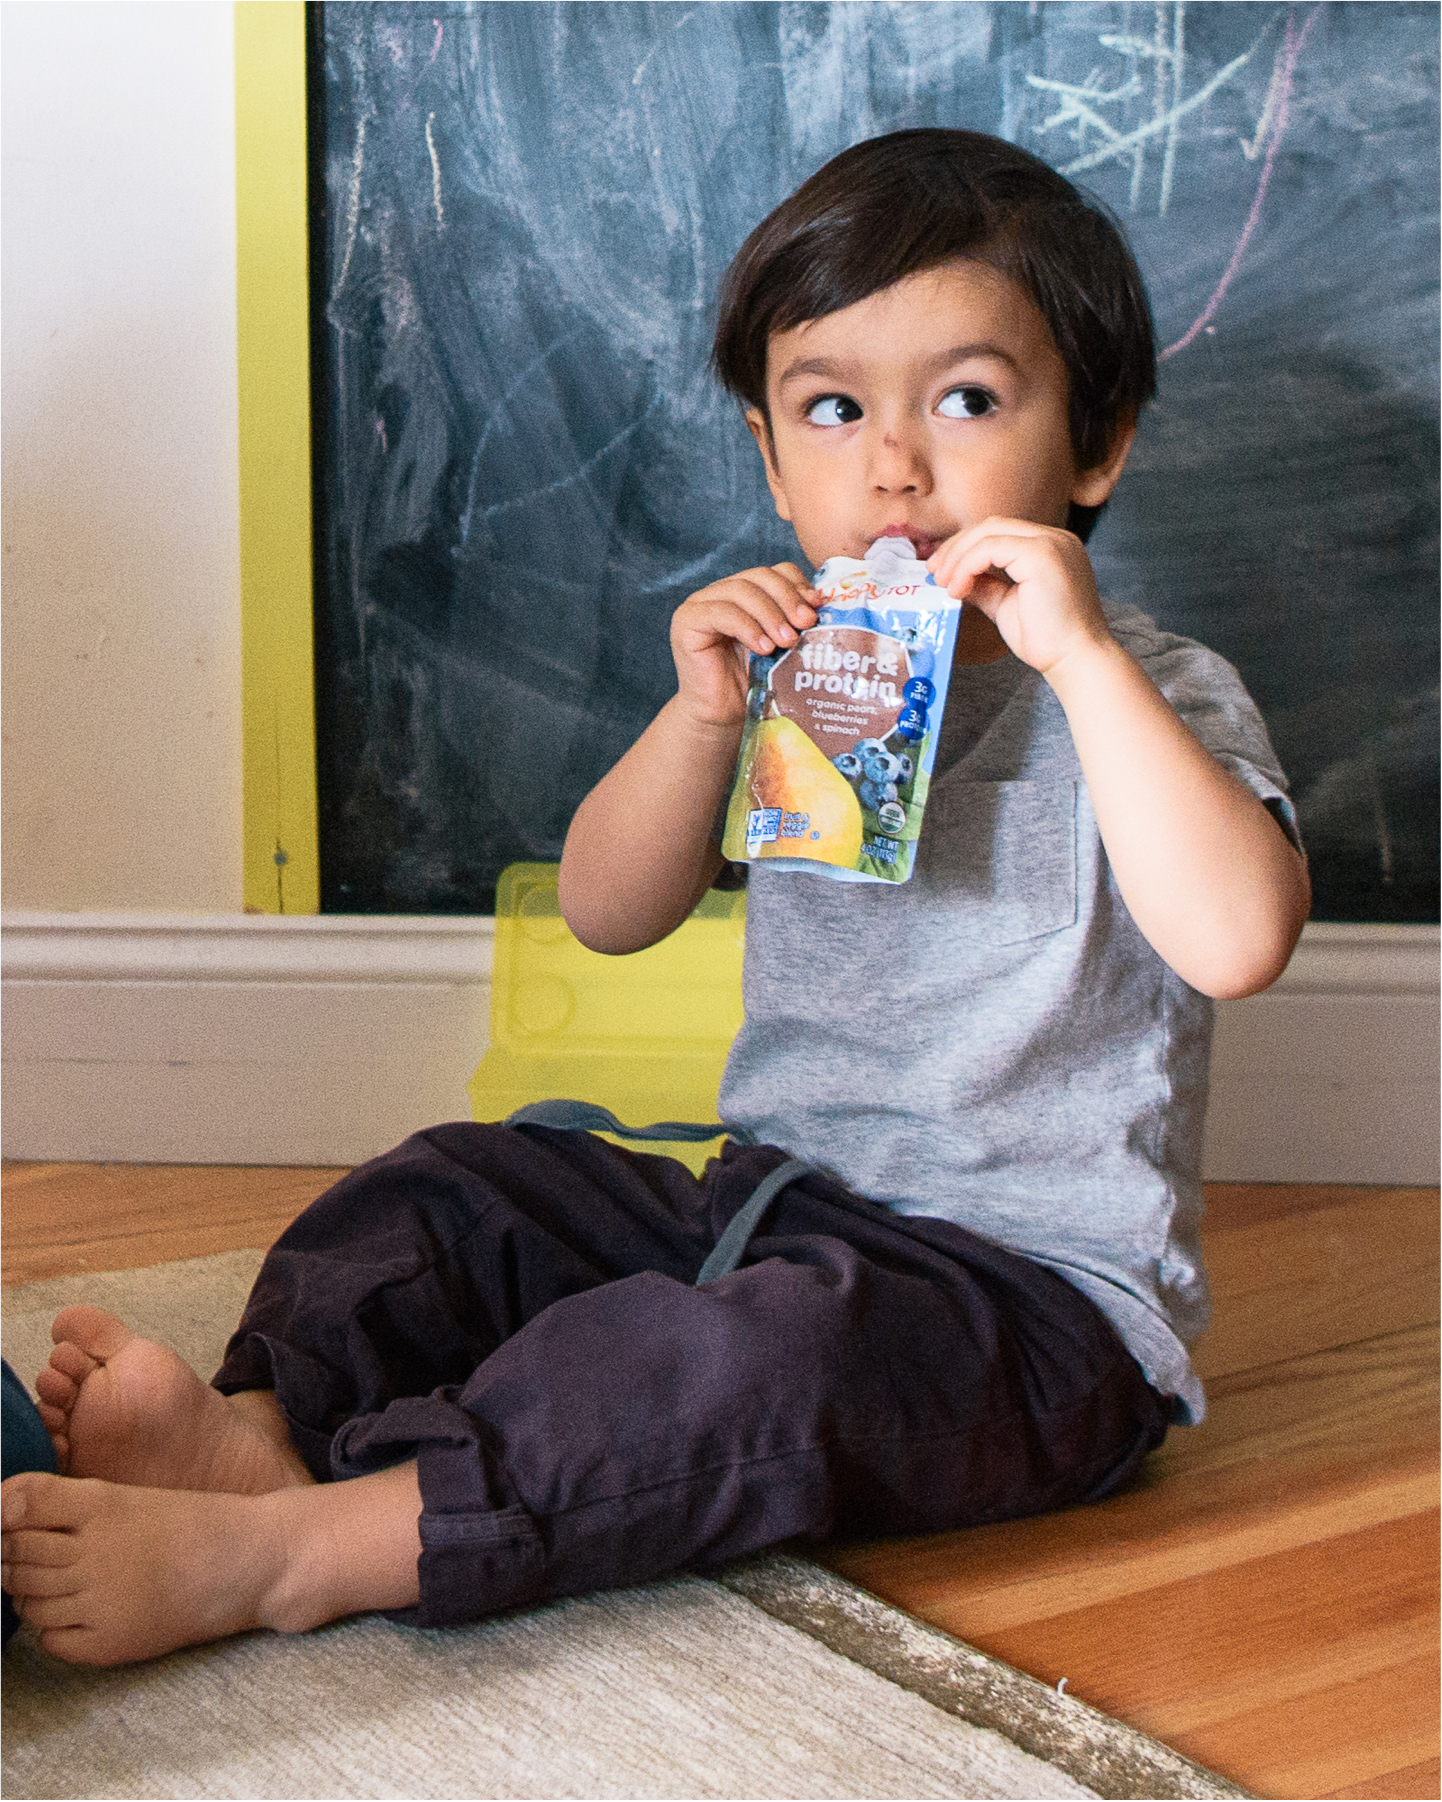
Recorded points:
(1274, 111)
(1081, 109)
(1081, 104)
(435, 171)
(352, 205)
(645, 61)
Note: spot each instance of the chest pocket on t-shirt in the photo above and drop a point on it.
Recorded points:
(1003, 855)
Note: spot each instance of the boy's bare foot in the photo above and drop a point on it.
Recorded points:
(108, 1573)
(131, 1411)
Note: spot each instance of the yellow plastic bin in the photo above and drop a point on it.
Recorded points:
(645, 1035)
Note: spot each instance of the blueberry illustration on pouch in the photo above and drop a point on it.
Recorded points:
(840, 731)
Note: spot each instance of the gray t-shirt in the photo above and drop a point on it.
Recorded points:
(994, 1042)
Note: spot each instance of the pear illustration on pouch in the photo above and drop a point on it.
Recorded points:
(783, 769)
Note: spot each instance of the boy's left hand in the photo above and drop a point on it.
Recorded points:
(1034, 583)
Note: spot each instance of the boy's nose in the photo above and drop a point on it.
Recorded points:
(899, 463)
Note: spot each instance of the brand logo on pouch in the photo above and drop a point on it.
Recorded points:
(841, 684)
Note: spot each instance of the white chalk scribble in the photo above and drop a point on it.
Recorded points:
(435, 172)
(1252, 147)
(641, 66)
(352, 204)
(1082, 106)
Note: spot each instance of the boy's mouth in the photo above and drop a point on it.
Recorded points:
(923, 543)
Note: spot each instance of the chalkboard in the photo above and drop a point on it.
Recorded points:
(520, 215)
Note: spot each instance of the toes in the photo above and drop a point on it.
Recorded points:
(49, 1611)
(68, 1366)
(98, 1334)
(24, 1580)
(50, 1551)
(55, 1420)
(58, 1427)
(14, 1502)
(38, 1502)
(55, 1391)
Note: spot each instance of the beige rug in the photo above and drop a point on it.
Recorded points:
(780, 1680)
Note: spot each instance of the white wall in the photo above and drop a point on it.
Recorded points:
(121, 537)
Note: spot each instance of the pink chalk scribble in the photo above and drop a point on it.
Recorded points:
(436, 46)
(1292, 49)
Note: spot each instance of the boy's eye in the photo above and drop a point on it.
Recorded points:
(833, 409)
(966, 403)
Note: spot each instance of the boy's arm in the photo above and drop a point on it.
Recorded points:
(639, 854)
(1208, 875)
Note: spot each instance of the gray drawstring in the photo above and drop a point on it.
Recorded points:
(730, 1248)
(586, 1116)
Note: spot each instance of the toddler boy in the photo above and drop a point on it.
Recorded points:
(972, 1295)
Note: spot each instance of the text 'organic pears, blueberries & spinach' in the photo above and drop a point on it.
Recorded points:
(841, 729)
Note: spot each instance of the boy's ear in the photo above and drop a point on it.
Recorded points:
(1093, 487)
(761, 432)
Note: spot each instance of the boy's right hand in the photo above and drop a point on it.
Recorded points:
(713, 631)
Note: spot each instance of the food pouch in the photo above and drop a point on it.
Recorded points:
(841, 729)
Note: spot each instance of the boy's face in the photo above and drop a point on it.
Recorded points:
(920, 411)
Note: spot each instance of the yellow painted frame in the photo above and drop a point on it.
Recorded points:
(281, 843)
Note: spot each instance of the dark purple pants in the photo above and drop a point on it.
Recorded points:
(516, 1307)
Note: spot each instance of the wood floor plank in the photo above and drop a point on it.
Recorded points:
(979, 1583)
(1422, 1780)
(1228, 1666)
(1298, 1281)
(63, 1219)
(1334, 1736)
(1245, 1204)
(1358, 1401)
(1205, 1651)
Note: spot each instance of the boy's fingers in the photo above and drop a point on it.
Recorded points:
(755, 626)
(760, 597)
(958, 549)
(1001, 555)
(800, 585)
(806, 602)
(784, 590)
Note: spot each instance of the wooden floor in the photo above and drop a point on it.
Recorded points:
(1265, 1601)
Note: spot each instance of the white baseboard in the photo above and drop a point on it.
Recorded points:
(1332, 1075)
(254, 1040)
(238, 1039)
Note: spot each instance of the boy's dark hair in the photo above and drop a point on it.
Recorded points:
(896, 205)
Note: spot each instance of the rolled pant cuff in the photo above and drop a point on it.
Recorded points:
(477, 1557)
(477, 1562)
(482, 1551)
